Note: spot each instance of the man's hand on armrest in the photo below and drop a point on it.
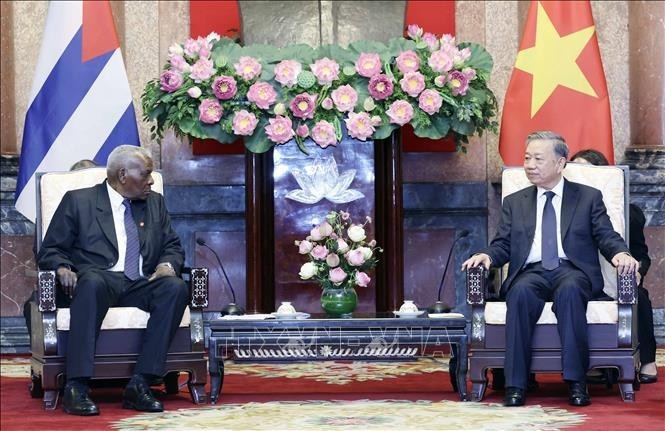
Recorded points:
(67, 279)
(164, 269)
(625, 263)
(477, 259)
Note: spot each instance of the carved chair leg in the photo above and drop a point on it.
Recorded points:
(196, 385)
(479, 384)
(171, 383)
(626, 391)
(198, 393)
(452, 371)
(478, 391)
(50, 399)
(36, 389)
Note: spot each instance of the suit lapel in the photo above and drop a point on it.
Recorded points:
(529, 211)
(138, 210)
(105, 214)
(568, 205)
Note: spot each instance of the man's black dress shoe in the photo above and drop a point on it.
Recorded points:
(514, 397)
(76, 401)
(137, 396)
(648, 378)
(578, 395)
(499, 381)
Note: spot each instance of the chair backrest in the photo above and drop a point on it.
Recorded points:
(52, 186)
(612, 181)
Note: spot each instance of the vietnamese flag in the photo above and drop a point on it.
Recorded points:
(558, 83)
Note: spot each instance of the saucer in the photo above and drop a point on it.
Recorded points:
(445, 315)
(286, 316)
(408, 314)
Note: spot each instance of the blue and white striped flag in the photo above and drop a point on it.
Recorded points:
(80, 104)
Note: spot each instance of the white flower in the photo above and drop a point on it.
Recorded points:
(366, 251)
(304, 247)
(279, 109)
(212, 37)
(368, 104)
(342, 246)
(325, 229)
(176, 49)
(194, 92)
(308, 270)
(356, 233)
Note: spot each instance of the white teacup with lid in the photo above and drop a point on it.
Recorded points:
(408, 307)
(286, 308)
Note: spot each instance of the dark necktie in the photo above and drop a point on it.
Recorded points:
(133, 247)
(549, 250)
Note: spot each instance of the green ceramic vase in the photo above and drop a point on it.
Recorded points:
(339, 302)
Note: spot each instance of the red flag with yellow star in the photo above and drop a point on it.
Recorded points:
(558, 83)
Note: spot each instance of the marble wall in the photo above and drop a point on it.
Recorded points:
(443, 192)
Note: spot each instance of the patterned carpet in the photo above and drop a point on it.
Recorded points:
(357, 415)
(342, 396)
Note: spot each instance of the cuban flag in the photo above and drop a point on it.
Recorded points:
(80, 105)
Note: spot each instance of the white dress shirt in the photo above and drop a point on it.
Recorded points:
(536, 247)
(118, 210)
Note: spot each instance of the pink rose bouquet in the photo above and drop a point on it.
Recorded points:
(338, 252)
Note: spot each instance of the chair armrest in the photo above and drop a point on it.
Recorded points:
(198, 285)
(197, 279)
(627, 310)
(476, 285)
(626, 289)
(46, 287)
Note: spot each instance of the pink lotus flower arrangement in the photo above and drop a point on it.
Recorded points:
(339, 255)
(214, 88)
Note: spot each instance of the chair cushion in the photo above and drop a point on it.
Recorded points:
(596, 312)
(118, 318)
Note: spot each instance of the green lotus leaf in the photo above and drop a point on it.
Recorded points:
(480, 59)
(370, 46)
(399, 44)
(439, 128)
(301, 53)
(258, 142)
(383, 132)
(462, 127)
(262, 52)
(337, 53)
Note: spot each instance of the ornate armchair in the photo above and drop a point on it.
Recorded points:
(122, 329)
(612, 322)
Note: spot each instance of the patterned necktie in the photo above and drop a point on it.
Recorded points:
(549, 249)
(133, 247)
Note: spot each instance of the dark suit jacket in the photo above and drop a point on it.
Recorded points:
(638, 244)
(82, 235)
(585, 229)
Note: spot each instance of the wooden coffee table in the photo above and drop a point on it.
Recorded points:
(364, 337)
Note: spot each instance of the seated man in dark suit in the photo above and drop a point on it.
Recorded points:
(550, 234)
(113, 245)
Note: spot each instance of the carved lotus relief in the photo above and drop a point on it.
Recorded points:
(320, 179)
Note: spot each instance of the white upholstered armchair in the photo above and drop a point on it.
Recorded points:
(612, 322)
(120, 337)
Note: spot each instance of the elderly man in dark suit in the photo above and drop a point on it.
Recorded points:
(113, 245)
(550, 233)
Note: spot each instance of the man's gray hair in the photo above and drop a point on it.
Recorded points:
(560, 146)
(121, 155)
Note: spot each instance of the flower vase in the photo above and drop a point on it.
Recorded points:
(339, 302)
